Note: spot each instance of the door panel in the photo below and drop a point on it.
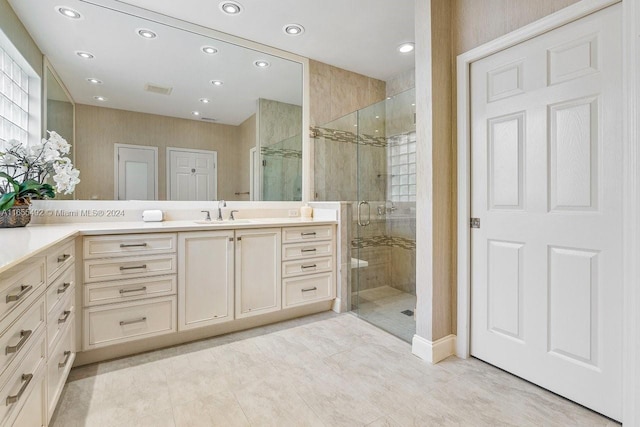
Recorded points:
(136, 175)
(192, 174)
(546, 296)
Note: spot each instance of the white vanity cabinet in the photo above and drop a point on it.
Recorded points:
(308, 265)
(205, 278)
(129, 288)
(258, 271)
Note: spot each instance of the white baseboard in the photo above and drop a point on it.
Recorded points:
(433, 351)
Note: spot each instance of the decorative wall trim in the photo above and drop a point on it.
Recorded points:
(335, 135)
(433, 351)
(379, 241)
(286, 153)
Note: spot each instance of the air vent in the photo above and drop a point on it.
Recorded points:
(158, 89)
(208, 119)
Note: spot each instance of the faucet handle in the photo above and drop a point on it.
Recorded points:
(222, 204)
(231, 217)
(208, 218)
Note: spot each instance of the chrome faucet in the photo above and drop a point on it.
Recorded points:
(392, 208)
(208, 218)
(231, 217)
(221, 204)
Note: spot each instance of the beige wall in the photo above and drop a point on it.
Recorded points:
(335, 92)
(476, 22)
(98, 129)
(401, 82)
(247, 135)
(11, 26)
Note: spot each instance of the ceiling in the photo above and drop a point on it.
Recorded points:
(357, 35)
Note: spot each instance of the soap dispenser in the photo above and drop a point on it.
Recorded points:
(306, 211)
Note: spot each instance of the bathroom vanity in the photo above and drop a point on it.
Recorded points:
(81, 293)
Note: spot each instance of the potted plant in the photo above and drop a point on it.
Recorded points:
(24, 172)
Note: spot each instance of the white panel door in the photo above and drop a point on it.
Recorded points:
(136, 176)
(546, 292)
(192, 174)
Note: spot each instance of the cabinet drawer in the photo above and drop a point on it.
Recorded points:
(60, 317)
(59, 258)
(15, 341)
(307, 250)
(114, 324)
(60, 288)
(59, 364)
(128, 268)
(20, 290)
(307, 266)
(129, 290)
(303, 234)
(301, 290)
(34, 410)
(22, 381)
(131, 244)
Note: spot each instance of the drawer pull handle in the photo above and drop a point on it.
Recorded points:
(130, 322)
(313, 233)
(133, 245)
(142, 289)
(63, 319)
(64, 257)
(13, 399)
(134, 267)
(67, 356)
(308, 250)
(310, 289)
(64, 288)
(308, 266)
(23, 291)
(24, 336)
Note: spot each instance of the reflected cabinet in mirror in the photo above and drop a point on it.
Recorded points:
(165, 111)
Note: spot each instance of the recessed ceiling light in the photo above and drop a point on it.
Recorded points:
(406, 47)
(85, 55)
(68, 12)
(195, 113)
(147, 34)
(94, 81)
(413, 105)
(205, 100)
(210, 50)
(261, 63)
(293, 29)
(217, 82)
(231, 7)
(100, 98)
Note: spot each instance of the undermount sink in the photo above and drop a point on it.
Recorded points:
(224, 222)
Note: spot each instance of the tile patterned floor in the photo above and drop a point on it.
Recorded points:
(321, 370)
(383, 307)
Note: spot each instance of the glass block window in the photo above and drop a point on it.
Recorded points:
(14, 100)
(401, 163)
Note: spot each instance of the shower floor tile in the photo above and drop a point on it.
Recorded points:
(383, 307)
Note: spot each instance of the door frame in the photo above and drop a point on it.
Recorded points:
(191, 150)
(116, 181)
(631, 181)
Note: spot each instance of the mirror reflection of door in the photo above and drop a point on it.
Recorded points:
(252, 175)
(192, 174)
(136, 175)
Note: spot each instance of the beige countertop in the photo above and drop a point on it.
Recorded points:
(19, 244)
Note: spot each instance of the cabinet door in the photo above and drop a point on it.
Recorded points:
(258, 271)
(205, 278)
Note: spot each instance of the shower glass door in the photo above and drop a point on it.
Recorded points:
(383, 245)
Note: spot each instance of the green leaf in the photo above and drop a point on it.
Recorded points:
(7, 201)
(16, 186)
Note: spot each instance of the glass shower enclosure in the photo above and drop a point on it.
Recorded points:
(369, 159)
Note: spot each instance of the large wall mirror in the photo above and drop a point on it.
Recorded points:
(168, 110)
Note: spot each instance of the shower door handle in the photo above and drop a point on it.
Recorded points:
(368, 221)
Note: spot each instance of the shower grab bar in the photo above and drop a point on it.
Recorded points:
(368, 221)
